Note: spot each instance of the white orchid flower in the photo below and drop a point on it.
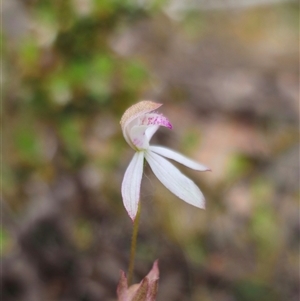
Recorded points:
(139, 123)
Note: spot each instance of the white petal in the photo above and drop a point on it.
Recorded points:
(126, 132)
(138, 136)
(174, 180)
(168, 153)
(131, 184)
(151, 130)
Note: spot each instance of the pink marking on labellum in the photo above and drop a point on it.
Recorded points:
(156, 119)
(137, 142)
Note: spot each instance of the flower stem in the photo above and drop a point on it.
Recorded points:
(133, 244)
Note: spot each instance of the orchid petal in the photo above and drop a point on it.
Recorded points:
(138, 137)
(151, 130)
(170, 154)
(174, 180)
(131, 184)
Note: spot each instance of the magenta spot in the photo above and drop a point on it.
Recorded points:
(137, 142)
(156, 119)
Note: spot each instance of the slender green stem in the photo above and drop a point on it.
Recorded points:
(133, 244)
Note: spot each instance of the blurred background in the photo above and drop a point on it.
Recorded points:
(227, 73)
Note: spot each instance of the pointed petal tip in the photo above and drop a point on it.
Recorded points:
(132, 217)
(201, 205)
(155, 264)
(153, 275)
(206, 168)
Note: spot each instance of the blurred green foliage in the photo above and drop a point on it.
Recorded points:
(6, 241)
(251, 291)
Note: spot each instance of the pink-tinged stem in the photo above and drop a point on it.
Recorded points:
(133, 244)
